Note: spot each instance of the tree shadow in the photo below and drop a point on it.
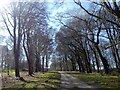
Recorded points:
(37, 83)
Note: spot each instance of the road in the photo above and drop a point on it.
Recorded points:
(69, 82)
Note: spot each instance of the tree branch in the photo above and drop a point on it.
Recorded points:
(7, 26)
(79, 3)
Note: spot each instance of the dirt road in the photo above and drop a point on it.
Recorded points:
(69, 82)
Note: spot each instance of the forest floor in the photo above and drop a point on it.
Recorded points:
(39, 81)
(59, 80)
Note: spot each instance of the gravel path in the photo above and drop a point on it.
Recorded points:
(69, 82)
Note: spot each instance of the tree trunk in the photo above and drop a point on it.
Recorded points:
(96, 58)
(87, 62)
(61, 66)
(16, 55)
(17, 74)
(79, 65)
(46, 61)
(66, 63)
(93, 65)
(43, 63)
(97, 61)
(103, 59)
(114, 50)
(73, 65)
(30, 60)
(37, 68)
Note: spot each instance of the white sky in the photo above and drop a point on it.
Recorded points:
(3, 32)
(3, 2)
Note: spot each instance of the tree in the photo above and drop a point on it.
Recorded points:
(84, 36)
(12, 20)
(34, 34)
(113, 8)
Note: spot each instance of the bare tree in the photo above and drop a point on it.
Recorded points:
(12, 21)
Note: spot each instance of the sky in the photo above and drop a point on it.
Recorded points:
(53, 8)
(3, 3)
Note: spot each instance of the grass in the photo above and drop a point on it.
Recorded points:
(42, 81)
(106, 81)
(11, 72)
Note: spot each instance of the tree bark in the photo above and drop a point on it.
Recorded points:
(103, 59)
(37, 68)
(43, 61)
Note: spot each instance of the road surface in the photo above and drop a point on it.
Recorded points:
(69, 82)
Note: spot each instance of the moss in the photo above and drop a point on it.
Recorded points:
(30, 85)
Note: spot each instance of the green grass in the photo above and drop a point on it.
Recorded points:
(106, 81)
(11, 72)
(44, 81)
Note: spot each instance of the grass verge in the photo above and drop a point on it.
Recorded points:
(106, 81)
